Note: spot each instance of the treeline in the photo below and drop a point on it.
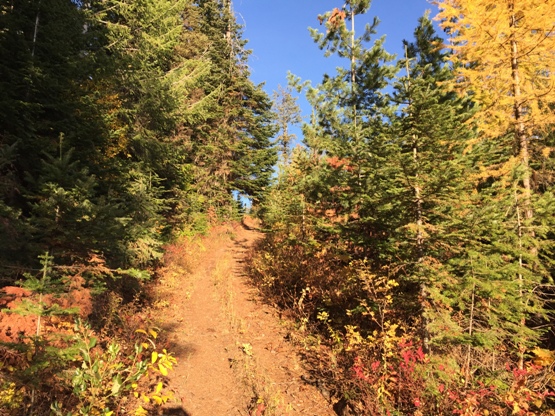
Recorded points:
(413, 234)
(122, 122)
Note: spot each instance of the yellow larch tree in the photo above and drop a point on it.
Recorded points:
(504, 58)
(504, 55)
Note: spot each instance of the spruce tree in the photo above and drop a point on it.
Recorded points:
(118, 81)
(148, 93)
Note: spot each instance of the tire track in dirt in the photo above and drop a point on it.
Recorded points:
(233, 358)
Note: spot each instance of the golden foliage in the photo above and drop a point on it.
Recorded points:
(504, 54)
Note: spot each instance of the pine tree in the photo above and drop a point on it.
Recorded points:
(62, 208)
(119, 82)
(148, 94)
(43, 62)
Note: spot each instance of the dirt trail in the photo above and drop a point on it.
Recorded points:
(232, 352)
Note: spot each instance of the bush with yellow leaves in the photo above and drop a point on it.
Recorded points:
(107, 377)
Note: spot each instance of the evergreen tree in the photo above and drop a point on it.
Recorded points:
(348, 126)
(288, 114)
(43, 63)
(232, 150)
(149, 99)
(427, 171)
(118, 82)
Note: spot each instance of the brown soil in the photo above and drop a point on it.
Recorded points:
(15, 327)
(233, 356)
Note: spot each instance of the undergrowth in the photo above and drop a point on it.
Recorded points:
(362, 339)
(70, 348)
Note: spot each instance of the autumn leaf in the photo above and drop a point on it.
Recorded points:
(336, 18)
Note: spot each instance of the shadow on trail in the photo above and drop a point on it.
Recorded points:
(242, 245)
(175, 411)
(241, 248)
(180, 350)
(183, 350)
(251, 227)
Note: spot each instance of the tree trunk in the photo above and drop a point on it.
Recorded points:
(522, 140)
(520, 128)
(36, 31)
(353, 71)
(417, 190)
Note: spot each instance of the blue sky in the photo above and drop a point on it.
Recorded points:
(277, 31)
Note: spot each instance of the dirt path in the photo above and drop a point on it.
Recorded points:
(232, 352)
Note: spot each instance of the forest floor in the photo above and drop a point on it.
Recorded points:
(232, 349)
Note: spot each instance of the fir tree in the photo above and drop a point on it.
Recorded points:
(348, 125)
(232, 150)
(288, 114)
(427, 172)
(43, 62)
